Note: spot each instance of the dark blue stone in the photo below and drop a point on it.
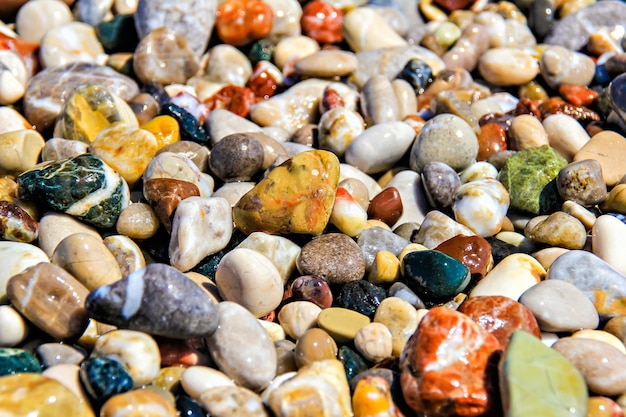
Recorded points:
(601, 76)
(417, 73)
(361, 296)
(190, 127)
(434, 276)
(104, 377)
(157, 91)
(17, 361)
(188, 408)
(352, 362)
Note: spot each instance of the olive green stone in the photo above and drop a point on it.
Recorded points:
(536, 380)
(530, 178)
(15, 361)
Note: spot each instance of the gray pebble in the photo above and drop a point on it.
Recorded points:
(562, 66)
(237, 157)
(51, 354)
(378, 101)
(440, 183)
(582, 182)
(334, 256)
(373, 240)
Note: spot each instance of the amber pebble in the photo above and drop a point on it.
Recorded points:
(491, 139)
(556, 105)
(322, 22)
(16, 224)
(232, 98)
(164, 195)
(139, 402)
(165, 129)
(239, 22)
(50, 298)
(603, 407)
(145, 107)
(314, 345)
(500, 316)
(312, 288)
(578, 95)
(137, 221)
(386, 206)
(265, 79)
(30, 394)
(473, 251)
(182, 352)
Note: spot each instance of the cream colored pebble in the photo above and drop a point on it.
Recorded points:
(374, 342)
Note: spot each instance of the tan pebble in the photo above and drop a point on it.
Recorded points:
(565, 135)
(13, 77)
(365, 29)
(297, 317)
(559, 229)
(327, 63)
(548, 255)
(169, 378)
(374, 342)
(197, 379)
(88, 259)
(13, 327)
(508, 66)
(126, 252)
(275, 331)
(341, 323)
(293, 48)
(607, 233)
(137, 221)
(139, 402)
(400, 318)
(59, 148)
(136, 351)
(314, 345)
(34, 19)
(227, 65)
(125, 6)
(613, 163)
(68, 375)
(616, 200)
(378, 102)
(12, 120)
(585, 216)
(617, 327)
(602, 336)
(69, 43)
(54, 227)
(526, 131)
(17, 256)
(232, 401)
(19, 150)
(406, 98)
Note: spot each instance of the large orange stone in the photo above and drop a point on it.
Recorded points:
(296, 197)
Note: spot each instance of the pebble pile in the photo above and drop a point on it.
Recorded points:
(321, 208)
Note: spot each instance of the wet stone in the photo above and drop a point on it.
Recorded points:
(314, 344)
(165, 194)
(130, 303)
(15, 361)
(16, 224)
(104, 377)
(473, 251)
(374, 239)
(334, 256)
(312, 288)
(137, 402)
(441, 184)
(559, 229)
(582, 182)
(352, 362)
(361, 296)
(190, 127)
(51, 354)
(236, 157)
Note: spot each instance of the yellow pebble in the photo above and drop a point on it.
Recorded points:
(602, 336)
(165, 129)
(341, 323)
(376, 223)
(385, 269)
(8, 189)
(616, 200)
(372, 398)
(411, 247)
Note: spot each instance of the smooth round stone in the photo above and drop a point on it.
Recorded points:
(501, 316)
(378, 101)
(478, 171)
(249, 278)
(340, 323)
(68, 375)
(73, 42)
(613, 168)
(365, 29)
(62, 316)
(434, 276)
(16, 361)
(51, 354)
(136, 351)
(600, 282)
(222, 123)
(188, 407)
(58, 148)
(537, 380)
(176, 166)
(13, 77)
(617, 327)
(46, 396)
(603, 336)
(334, 256)
(236, 157)
(232, 402)
(197, 379)
(606, 232)
(126, 252)
(380, 147)
(445, 138)
(603, 407)
(311, 288)
(565, 135)
(347, 214)
(347, 171)
(164, 56)
(559, 306)
(12, 120)
(405, 96)
(326, 64)
(505, 66)
(385, 269)
(374, 342)
(472, 251)
(297, 317)
(481, 206)
(19, 150)
(414, 201)
(137, 221)
(314, 344)
(55, 227)
(13, 327)
(436, 228)
(582, 182)
(233, 191)
(104, 377)
(361, 296)
(19, 256)
(559, 229)
(511, 277)
(184, 309)
(167, 133)
(547, 256)
(386, 206)
(601, 364)
(441, 184)
(144, 402)
(34, 20)
(337, 129)
(586, 217)
(241, 348)
(526, 131)
(281, 251)
(88, 259)
(562, 66)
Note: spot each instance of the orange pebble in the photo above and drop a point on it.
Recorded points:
(322, 22)
(233, 98)
(578, 95)
(491, 139)
(239, 22)
(372, 398)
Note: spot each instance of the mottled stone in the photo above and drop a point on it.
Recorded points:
(236, 157)
(353, 363)
(190, 127)
(47, 91)
(559, 229)
(233, 401)
(104, 377)
(46, 397)
(334, 256)
(70, 43)
(184, 309)
(582, 182)
(602, 284)
(16, 224)
(241, 348)
(481, 205)
(437, 228)
(529, 177)
(283, 203)
(442, 372)
(180, 167)
(511, 277)
(441, 183)
(537, 380)
(361, 296)
(165, 195)
(17, 361)
(84, 187)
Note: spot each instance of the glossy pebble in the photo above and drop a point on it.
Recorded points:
(139, 402)
(511, 277)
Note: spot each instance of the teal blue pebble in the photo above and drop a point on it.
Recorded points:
(17, 361)
(104, 377)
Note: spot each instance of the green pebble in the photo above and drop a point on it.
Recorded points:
(17, 361)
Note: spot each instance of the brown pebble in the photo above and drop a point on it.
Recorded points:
(164, 195)
(386, 206)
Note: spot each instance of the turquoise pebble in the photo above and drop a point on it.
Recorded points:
(104, 377)
(352, 362)
(17, 361)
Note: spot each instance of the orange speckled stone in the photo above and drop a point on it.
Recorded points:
(578, 95)
(472, 251)
(232, 98)
(322, 22)
(239, 22)
(500, 316)
(491, 139)
(446, 365)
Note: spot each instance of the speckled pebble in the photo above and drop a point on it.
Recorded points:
(334, 256)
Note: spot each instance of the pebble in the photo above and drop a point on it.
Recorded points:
(560, 306)
(326, 64)
(313, 345)
(414, 200)
(341, 324)
(527, 131)
(441, 183)
(582, 182)
(374, 342)
(481, 205)
(13, 327)
(612, 164)
(104, 377)
(401, 318)
(334, 256)
(16, 224)
(73, 42)
(54, 227)
(562, 66)
(565, 135)
(250, 362)
(378, 101)
(232, 401)
(604, 232)
(280, 250)
(559, 229)
(13, 77)
(137, 221)
(374, 239)
(297, 317)
(602, 336)
(170, 165)
(357, 33)
(144, 402)
(33, 21)
(508, 66)
(437, 228)
(511, 277)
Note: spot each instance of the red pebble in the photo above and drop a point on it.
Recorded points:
(501, 316)
(491, 139)
(322, 22)
(233, 98)
(472, 251)
(331, 99)
(188, 352)
(452, 5)
(447, 366)
(239, 22)
(312, 288)
(578, 95)
(386, 206)
(265, 80)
